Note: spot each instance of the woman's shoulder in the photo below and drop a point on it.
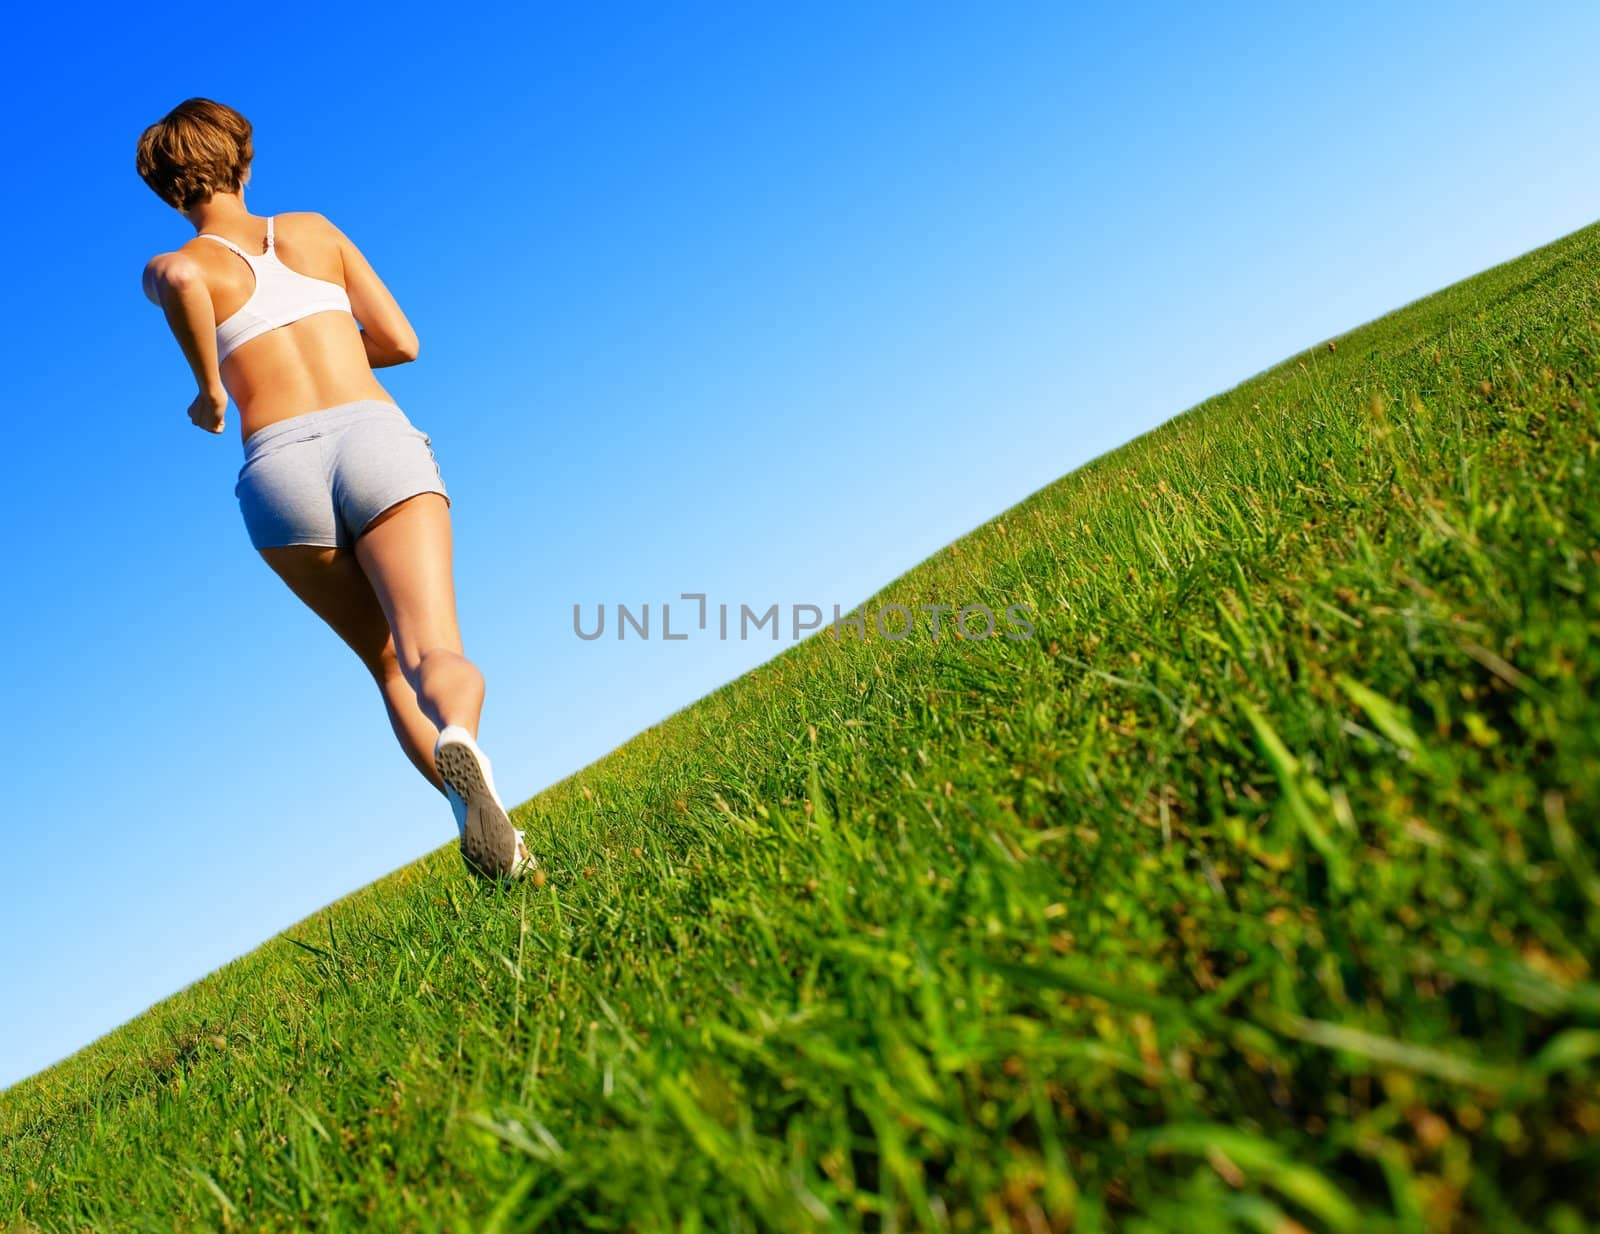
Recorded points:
(306, 222)
(309, 235)
(177, 268)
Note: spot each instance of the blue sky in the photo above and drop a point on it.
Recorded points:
(767, 303)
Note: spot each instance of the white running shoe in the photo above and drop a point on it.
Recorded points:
(489, 843)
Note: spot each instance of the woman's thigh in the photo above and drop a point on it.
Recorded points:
(333, 585)
(407, 554)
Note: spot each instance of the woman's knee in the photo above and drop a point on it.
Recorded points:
(384, 664)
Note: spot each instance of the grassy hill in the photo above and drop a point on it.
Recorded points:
(1258, 891)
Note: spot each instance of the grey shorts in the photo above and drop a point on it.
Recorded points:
(321, 477)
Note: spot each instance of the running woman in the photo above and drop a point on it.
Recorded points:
(341, 494)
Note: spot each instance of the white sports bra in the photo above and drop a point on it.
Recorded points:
(281, 296)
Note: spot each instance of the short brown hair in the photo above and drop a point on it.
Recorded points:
(198, 148)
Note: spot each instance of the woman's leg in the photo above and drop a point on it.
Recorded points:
(332, 584)
(407, 554)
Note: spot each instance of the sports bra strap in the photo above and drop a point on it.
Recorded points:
(206, 235)
(270, 247)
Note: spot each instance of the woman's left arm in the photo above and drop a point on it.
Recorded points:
(176, 283)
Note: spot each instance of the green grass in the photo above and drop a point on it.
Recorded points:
(1260, 890)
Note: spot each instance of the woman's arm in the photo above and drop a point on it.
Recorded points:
(383, 355)
(176, 283)
(385, 332)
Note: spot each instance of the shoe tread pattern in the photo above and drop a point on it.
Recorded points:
(488, 840)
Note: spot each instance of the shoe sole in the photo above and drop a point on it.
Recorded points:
(488, 840)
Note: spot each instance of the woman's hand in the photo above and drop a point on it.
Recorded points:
(209, 410)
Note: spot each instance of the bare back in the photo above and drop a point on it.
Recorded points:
(316, 362)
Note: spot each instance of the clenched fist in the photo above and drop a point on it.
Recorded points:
(208, 411)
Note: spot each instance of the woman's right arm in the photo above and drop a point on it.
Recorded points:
(385, 332)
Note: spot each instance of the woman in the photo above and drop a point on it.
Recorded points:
(341, 495)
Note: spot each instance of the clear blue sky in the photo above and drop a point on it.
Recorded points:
(765, 303)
